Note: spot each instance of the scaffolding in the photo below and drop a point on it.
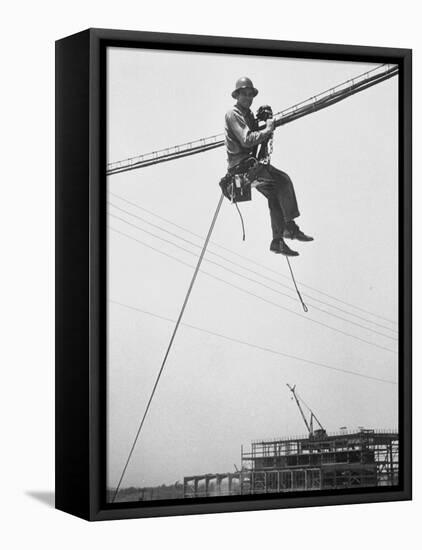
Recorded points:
(343, 460)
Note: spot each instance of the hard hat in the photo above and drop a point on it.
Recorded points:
(244, 82)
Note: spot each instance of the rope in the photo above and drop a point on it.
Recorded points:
(198, 265)
(305, 307)
(241, 220)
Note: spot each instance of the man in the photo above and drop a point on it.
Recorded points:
(242, 137)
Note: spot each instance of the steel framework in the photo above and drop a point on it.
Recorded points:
(361, 458)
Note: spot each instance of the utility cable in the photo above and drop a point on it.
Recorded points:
(279, 283)
(250, 260)
(255, 346)
(254, 280)
(253, 294)
(276, 281)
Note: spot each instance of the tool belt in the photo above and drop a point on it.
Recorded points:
(236, 184)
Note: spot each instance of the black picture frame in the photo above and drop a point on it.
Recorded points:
(81, 271)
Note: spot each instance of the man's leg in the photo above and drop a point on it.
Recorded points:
(286, 195)
(270, 190)
(288, 203)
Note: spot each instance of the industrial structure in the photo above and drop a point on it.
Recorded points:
(343, 460)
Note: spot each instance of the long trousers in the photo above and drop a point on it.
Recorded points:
(278, 188)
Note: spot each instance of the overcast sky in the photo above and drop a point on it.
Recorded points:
(216, 394)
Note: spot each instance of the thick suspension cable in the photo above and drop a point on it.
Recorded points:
(313, 104)
(188, 293)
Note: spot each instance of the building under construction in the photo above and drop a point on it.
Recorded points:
(343, 460)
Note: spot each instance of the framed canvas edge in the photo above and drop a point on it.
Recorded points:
(95, 171)
(72, 302)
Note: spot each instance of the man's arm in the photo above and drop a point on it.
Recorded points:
(246, 137)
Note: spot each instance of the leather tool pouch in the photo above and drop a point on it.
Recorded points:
(236, 184)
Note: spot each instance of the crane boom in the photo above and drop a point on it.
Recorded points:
(309, 425)
(292, 389)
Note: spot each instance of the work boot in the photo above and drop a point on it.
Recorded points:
(293, 231)
(280, 247)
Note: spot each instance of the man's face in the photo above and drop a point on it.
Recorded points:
(245, 97)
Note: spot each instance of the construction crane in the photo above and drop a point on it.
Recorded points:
(313, 434)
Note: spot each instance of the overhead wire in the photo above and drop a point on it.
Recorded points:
(251, 279)
(255, 346)
(250, 260)
(309, 319)
(279, 283)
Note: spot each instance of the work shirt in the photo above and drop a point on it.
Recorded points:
(241, 135)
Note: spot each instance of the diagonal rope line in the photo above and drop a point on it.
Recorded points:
(198, 265)
(304, 306)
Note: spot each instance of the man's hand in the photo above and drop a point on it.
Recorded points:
(270, 125)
